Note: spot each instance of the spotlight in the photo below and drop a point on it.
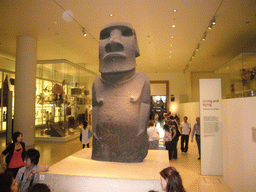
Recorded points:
(84, 33)
(197, 49)
(204, 37)
(213, 21)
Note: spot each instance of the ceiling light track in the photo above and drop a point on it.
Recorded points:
(212, 22)
(83, 28)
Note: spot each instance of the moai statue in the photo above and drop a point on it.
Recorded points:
(120, 98)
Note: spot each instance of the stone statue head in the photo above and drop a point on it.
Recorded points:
(118, 48)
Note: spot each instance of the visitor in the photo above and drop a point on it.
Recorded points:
(185, 129)
(171, 180)
(153, 136)
(84, 134)
(8, 183)
(39, 187)
(167, 140)
(196, 130)
(15, 155)
(29, 174)
(175, 138)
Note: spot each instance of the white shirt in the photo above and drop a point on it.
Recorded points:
(185, 128)
(85, 139)
(150, 132)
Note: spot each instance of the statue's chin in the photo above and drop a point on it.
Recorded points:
(116, 63)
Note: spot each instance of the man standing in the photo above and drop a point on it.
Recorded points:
(185, 129)
(196, 130)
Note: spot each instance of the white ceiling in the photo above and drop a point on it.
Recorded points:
(233, 34)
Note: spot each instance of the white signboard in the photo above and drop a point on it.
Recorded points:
(211, 132)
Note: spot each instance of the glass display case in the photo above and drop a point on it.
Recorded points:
(6, 98)
(7, 78)
(63, 97)
(241, 75)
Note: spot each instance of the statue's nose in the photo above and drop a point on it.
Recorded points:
(114, 47)
(115, 43)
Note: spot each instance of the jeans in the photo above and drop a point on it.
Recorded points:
(198, 144)
(184, 139)
(168, 147)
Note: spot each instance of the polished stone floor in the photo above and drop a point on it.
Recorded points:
(187, 165)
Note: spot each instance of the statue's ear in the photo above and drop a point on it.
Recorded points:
(137, 51)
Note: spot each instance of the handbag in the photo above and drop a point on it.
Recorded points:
(89, 134)
(155, 136)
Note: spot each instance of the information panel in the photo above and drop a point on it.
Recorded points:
(211, 132)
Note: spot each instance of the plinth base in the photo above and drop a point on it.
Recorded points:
(79, 172)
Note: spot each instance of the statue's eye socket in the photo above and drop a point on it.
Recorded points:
(127, 33)
(104, 35)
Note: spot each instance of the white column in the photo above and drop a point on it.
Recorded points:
(25, 88)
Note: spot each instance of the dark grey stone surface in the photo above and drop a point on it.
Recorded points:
(121, 98)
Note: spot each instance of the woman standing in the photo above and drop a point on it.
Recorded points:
(15, 155)
(153, 136)
(167, 140)
(85, 132)
(175, 138)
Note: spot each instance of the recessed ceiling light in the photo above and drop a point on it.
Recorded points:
(175, 10)
(171, 45)
(172, 37)
(170, 51)
(173, 26)
(111, 15)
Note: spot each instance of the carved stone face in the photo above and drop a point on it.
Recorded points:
(118, 48)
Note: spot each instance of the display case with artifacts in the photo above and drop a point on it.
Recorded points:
(60, 98)
(240, 73)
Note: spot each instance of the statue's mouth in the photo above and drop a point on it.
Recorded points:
(114, 56)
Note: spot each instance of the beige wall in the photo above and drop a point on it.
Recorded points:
(191, 110)
(239, 151)
(225, 82)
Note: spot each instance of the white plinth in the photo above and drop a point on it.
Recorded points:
(79, 172)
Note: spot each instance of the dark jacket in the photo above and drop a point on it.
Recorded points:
(9, 150)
